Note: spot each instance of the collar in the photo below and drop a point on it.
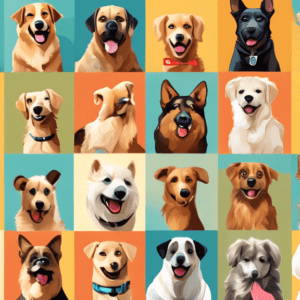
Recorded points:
(60, 296)
(43, 139)
(112, 291)
(113, 224)
(171, 62)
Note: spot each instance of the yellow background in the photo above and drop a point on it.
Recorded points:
(1, 151)
(295, 281)
(207, 50)
(295, 112)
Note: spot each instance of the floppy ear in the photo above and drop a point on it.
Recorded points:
(198, 29)
(274, 252)
(25, 246)
(131, 23)
(235, 251)
(298, 17)
(267, 7)
(53, 176)
(19, 16)
(162, 249)
(105, 95)
(55, 100)
(296, 263)
(54, 245)
(92, 20)
(163, 173)
(201, 174)
(21, 105)
(55, 15)
(231, 170)
(90, 249)
(237, 7)
(167, 93)
(200, 94)
(129, 250)
(298, 173)
(271, 91)
(200, 250)
(129, 87)
(231, 88)
(131, 168)
(269, 173)
(20, 183)
(159, 27)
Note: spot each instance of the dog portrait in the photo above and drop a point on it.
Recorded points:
(255, 130)
(254, 48)
(180, 276)
(255, 264)
(115, 129)
(110, 49)
(39, 209)
(110, 269)
(40, 110)
(37, 48)
(182, 126)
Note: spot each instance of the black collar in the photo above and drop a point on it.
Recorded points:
(113, 224)
(43, 139)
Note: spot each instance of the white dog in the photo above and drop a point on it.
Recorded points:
(180, 277)
(112, 198)
(296, 266)
(255, 130)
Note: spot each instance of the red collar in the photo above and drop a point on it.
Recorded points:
(171, 62)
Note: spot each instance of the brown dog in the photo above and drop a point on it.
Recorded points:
(110, 49)
(110, 270)
(251, 204)
(180, 192)
(37, 49)
(180, 34)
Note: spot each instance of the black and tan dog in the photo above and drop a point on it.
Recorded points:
(40, 276)
(181, 126)
(110, 49)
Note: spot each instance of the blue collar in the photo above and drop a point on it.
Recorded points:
(43, 139)
(112, 291)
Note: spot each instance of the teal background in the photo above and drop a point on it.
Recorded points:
(184, 84)
(295, 193)
(64, 31)
(84, 9)
(35, 164)
(296, 6)
(209, 264)
(2, 35)
(206, 197)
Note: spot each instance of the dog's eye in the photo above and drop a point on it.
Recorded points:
(175, 106)
(259, 174)
(189, 103)
(29, 15)
(188, 179)
(259, 19)
(102, 253)
(190, 251)
(258, 91)
(171, 26)
(29, 100)
(246, 260)
(172, 252)
(46, 191)
(241, 91)
(32, 192)
(127, 182)
(175, 179)
(47, 98)
(245, 19)
(107, 181)
(243, 173)
(186, 26)
(262, 260)
(102, 19)
(119, 19)
(118, 253)
(44, 13)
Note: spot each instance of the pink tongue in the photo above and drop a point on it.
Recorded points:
(251, 193)
(251, 42)
(180, 272)
(249, 109)
(42, 279)
(258, 293)
(36, 216)
(39, 38)
(182, 132)
(114, 206)
(179, 49)
(111, 46)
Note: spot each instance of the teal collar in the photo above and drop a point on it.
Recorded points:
(112, 291)
(43, 139)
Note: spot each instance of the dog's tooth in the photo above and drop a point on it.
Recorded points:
(190, 127)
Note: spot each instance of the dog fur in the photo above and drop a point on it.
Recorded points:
(255, 130)
(33, 52)
(38, 202)
(296, 266)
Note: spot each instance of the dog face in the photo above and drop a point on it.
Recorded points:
(36, 22)
(38, 195)
(251, 179)
(253, 25)
(181, 184)
(112, 25)
(179, 32)
(40, 274)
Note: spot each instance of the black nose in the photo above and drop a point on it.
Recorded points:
(111, 26)
(120, 192)
(180, 259)
(38, 110)
(39, 25)
(114, 266)
(183, 119)
(254, 274)
(179, 37)
(251, 29)
(248, 98)
(251, 182)
(184, 193)
(39, 204)
(43, 261)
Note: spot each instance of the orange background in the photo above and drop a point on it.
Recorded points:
(281, 23)
(281, 107)
(84, 266)
(86, 111)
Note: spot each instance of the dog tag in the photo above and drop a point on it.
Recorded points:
(253, 60)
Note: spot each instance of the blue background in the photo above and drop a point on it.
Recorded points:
(2, 36)
(184, 84)
(295, 193)
(84, 9)
(30, 165)
(296, 6)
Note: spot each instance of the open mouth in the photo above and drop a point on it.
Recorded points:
(110, 275)
(180, 272)
(37, 216)
(39, 118)
(249, 110)
(111, 46)
(182, 131)
(114, 206)
(42, 276)
(251, 193)
(180, 48)
(251, 42)
(39, 36)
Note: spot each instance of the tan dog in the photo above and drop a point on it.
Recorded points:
(115, 130)
(39, 210)
(179, 196)
(251, 204)
(110, 275)
(180, 34)
(37, 49)
(40, 110)
(110, 49)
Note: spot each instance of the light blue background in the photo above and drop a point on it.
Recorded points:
(30, 165)
(209, 264)
(2, 35)
(64, 31)
(184, 84)
(296, 6)
(84, 9)
(295, 193)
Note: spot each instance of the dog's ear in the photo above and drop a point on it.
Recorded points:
(274, 253)
(198, 27)
(106, 96)
(231, 170)
(163, 173)
(237, 7)
(267, 7)
(53, 176)
(200, 250)
(129, 250)
(131, 168)
(201, 174)
(19, 16)
(92, 21)
(20, 183)
(162, 249)
(25, 246)
(131, 23)
(200, 94)
(298, 173)
(55, 15)
(298, 17)
(96, 166)
(235, 251)
(271, 89)
(231, 88)
(90, 249)
(159, 27)
(269, 173)
(55, 100)
(129, 87)
(167, 93)
(21, 106)
(55, 246)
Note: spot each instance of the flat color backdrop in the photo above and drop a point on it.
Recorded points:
(295, 281)
(295, 193)
(2, 151)
(295, 110)
(2, 264)
(295, 38)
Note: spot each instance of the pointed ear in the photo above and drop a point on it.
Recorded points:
(92, 21)
(201, 174)
(271, 89)
(162, 249)
(298, 172)
(20, 183)
(237, 6)
(131, 168)
(231, 170)
(235, 251)
(90, 249)
(96, 166)
(269, 173)
(55, 100)
(200, 94)
(129, 250)
(267, 7)
(54, 245)
(231, 88)
(159, 27)
(163, 173)
(167, 93)
(131, 23)
(200, 250)
(21, 105)
(55, 15)
(53, 176)
(198, 27)
(19, 16)
(25, 246)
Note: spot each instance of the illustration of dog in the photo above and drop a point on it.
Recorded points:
(179, 196)
(39, 210)
(181, 126)
(110, 272)
(296, 266)
(40, 276)
(110, 49)
(254, 48)
(40, 110)
(115, 130)
(112, 198)
(180, 276)
(180, 34)
(251, 204)
(254, 273)
(37, 48)
(255, 130)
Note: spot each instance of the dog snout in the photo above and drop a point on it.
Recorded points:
(114, 266)
(254, 274)
(120, 192)
(249, 98)
(39, 25)
(111, 26)
(184, 119)
(37, 110)
(43, 261)
(179, 37)
(184, 193)
(251, 182)
(180, 259)
(251, 30)
(39, 204)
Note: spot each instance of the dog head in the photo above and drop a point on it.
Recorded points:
(181, 257)
(251, 180)
(36, 22)
(40, 273)
(112, 26)
(179, 32)
(38, 195)
(181, 184)
(253, 25)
